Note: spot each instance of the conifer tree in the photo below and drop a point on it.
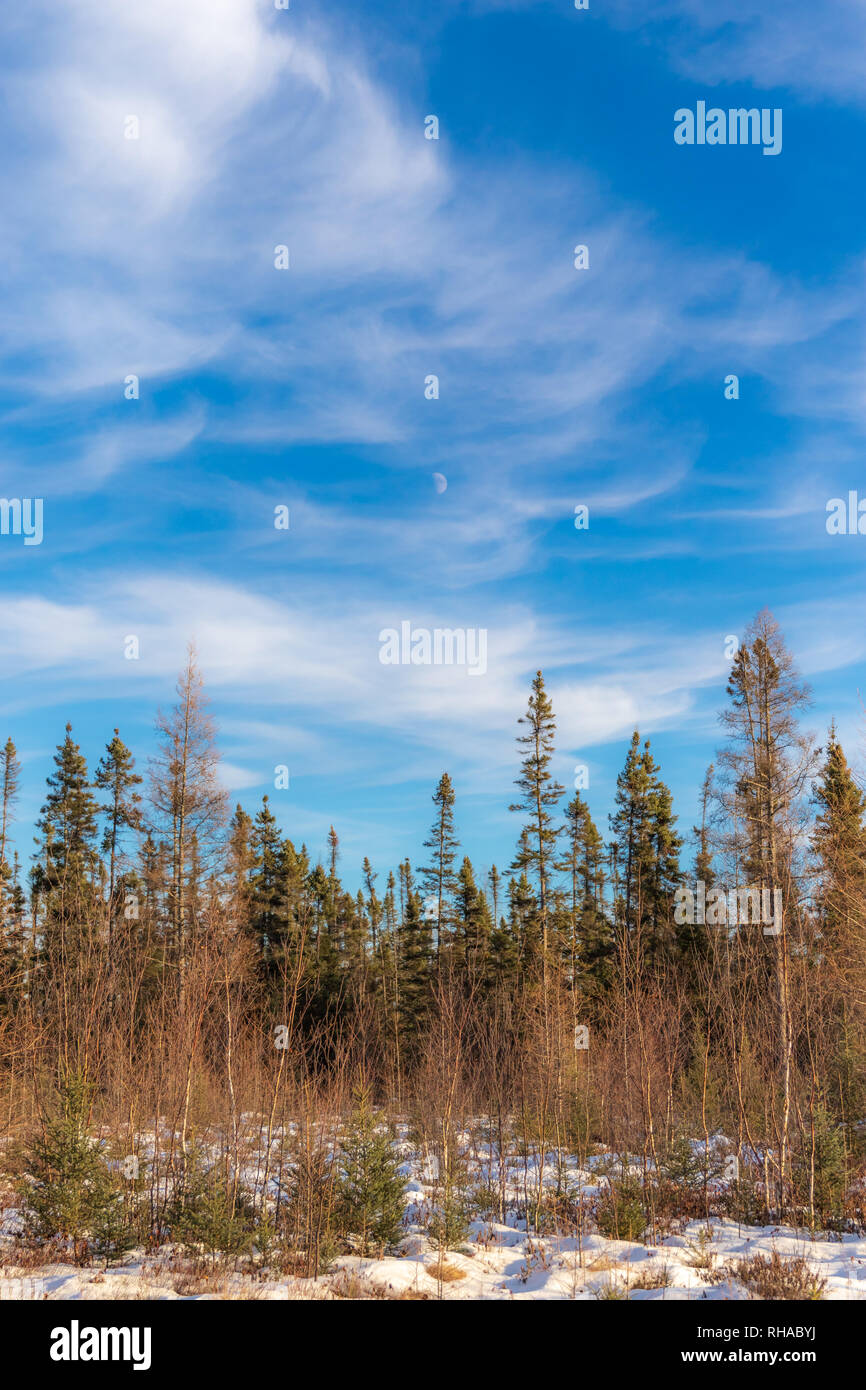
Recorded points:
(839, 840)
(69, 1190)
(704, 858)
(438, 880)
(539, 795)
(68, 864)
(474, 923)
(116, 774)
(839, 845)
(10, 773)
(524, 924)
(267, 920)
(371, 1187)
(333, 854)
(414, 956)
(374, 907)
(589, 944)
(647, 856)
(494, 879)
(241, 864)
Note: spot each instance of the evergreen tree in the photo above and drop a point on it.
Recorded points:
(414, 955)
(116, 774)
(10, 774)
(474, 924)
(68, 1189)
(647, 850)
(371, 1188)
(68, 861)
(524, 925)
(267, 921)
(839, 846)
(494, 879)
(241, 865)
(589, 944)
(839, 841)
(11, 915)
(333, 854)
(438, 880)
(539, 795)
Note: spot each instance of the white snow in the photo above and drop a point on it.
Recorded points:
(499, 1260)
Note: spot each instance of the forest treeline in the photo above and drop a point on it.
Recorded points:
(198, 968)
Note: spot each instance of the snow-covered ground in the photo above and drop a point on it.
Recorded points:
(497, 1261)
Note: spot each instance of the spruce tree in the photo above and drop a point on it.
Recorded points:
(839, 841)
(10, 773)
(371, 1187)
(68, 1190)
(68, 859)
(494, 879)
(414, 956)
(240, 866)
(267, 919)
(438, 880)
(647, 854)
(839, 846)
(474, 923)
(116, 774)
(540, 793)
(589, 943)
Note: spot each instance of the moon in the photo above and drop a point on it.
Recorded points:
(440, 482)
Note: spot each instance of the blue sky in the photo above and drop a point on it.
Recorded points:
(305, 387)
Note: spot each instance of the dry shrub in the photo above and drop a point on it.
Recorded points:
(771, 1277)
(351, 1286)
(660, 1278)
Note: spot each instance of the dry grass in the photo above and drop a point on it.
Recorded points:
(770, 1277)
(350, 1286)
(603, 1262)
(660, 1278)
(445, 1273)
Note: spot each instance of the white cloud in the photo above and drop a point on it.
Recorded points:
(155, 255)
(321, 662)
(818, 50)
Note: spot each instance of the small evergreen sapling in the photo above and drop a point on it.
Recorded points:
(68, 1190)
(371, 1187)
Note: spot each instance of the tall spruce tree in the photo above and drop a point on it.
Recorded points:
(267, 916)
(540, 793)
(10, 775)
(68, 858)
(116, 775)
(647, 857)
(589, 942)
(438, 880)
(414, 954)
(839, 846)
(474, 923)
